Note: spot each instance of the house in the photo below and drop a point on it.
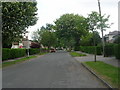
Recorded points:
(24, 43)
(112, 36)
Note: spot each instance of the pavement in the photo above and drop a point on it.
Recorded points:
(90, 57)
(53, 70)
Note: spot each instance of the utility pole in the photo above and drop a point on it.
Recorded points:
(103, 43)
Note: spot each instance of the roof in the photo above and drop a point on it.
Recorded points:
(114, 33)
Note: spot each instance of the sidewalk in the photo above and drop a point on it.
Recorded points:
(90, 57)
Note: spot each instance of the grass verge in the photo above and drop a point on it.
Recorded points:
(43, 53)
(75, 54)
(107, 72)
(5, 64)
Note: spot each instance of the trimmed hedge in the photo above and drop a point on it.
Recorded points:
(8, 53)
(12, 53)
(109, 50)
(34, 51)
(91, 49)
(117, 51)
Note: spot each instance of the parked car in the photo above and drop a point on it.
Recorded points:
(52, 50)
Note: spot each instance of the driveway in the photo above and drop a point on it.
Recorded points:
(53, 70)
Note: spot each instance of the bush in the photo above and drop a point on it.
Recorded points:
(117, 51)
(77, 48)
(91, 49)
(99, 50)
(34, 51)
(109, 50)
(12, 53)
(5, 54)
(8, 53)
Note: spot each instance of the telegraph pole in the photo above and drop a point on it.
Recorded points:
(103, 43)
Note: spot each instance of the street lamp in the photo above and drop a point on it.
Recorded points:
(103, 43)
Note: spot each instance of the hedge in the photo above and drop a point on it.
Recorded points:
(12, 53)
(8, 53)
(34, 51)
(91, 49)
(109, 50)
(117, 51)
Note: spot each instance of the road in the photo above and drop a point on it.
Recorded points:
(53, 70)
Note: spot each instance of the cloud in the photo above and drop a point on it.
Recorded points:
(50, 10)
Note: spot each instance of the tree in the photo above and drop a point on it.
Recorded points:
(71, 26)
(89, 38)
(16, 18)
(36, 36)
(48, 38)
(96, 21)
(93, 20)
(117, 39)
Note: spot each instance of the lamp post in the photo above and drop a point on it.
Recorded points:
(103, 43)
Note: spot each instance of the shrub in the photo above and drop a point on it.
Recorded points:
(91, 49)
(117, 51)
(99, 50)
(12, 53)
(34, 51)
(5, 54)
(109, 50)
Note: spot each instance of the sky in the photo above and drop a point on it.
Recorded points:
(50, 10)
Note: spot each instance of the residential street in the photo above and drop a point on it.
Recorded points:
(53, 70)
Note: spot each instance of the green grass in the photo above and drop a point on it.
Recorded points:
(107, 72)
(75, 54)
(5, 64)
(42, 53)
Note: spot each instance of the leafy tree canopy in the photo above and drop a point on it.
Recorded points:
(16, 18)
(71, 26)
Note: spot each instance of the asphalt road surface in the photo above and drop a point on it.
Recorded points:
(53, 70)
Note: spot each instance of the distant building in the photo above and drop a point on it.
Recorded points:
(22, 44)
(111, 36)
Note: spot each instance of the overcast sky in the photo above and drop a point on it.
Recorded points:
(50, 10)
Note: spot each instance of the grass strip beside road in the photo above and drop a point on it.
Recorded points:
(75, 54)
(43, 53)
(5, 64)
(107, 72)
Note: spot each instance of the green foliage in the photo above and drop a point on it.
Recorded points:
(117, 39)
(93, 20)
(33, 51)
(109, 50)
(71, 26)
(107, 72)
(99, 50)
(88, 39)
(91, 49)
(16, 53)
(5, 54)
(117, 51)
(16, 18)
(48, 38)
(12, 53)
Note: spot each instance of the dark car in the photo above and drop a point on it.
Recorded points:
(52, 50)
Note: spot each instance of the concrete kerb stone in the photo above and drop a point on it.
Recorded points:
(108, 85)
